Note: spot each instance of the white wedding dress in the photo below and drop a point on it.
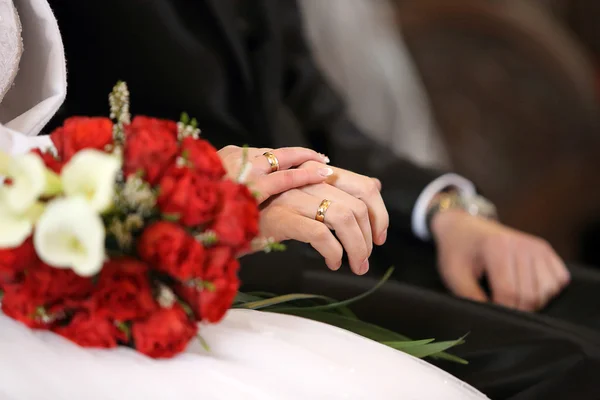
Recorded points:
(254, 355)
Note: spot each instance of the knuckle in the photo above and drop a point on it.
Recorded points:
(362, 211)
(347, 217)
(369, 187)
(322, 233)
(289, 178)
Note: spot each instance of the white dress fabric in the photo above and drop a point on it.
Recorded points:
(359, 48)
(40, 85)
(253, 355)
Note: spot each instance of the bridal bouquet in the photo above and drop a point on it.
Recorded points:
(126, 235)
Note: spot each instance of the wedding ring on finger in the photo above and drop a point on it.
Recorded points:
(273, 161)
(323, 207)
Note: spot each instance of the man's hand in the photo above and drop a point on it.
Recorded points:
(523, 271)
(357, 214)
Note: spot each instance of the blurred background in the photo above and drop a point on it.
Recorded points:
(512, 89)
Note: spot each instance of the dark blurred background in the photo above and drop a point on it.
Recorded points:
(513, 86)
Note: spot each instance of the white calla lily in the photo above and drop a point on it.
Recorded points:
(28, 175)
(70, 234)
(14, 228)
(91, 174)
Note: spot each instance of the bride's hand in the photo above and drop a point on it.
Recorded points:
(357, 214)
(258, 172)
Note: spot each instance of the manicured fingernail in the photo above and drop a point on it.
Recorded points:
(325, 158)
(383, 237)
(325, 172)
(364, 268)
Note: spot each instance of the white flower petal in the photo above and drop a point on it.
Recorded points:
(28, 175)
(14, 229)
(91, 174)
(70, 234)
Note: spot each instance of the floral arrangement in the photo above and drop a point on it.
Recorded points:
(127, 234)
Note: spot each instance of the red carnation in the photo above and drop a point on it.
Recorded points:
(50, 160)
(150, 147)
(169, 249)
(123, 292)
(236, 221)
(203, 158)
(165, 333)
(80, 133)
(18, 303)
(14, 261)
(188, 195)
(220, 285)
(47, 285)
(91, 330)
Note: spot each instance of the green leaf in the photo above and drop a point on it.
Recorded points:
(400, 345)
(171, 217)
(245, 298)
(203, 343)
(433, 348)
(261, 304)
(357, 326)
(185, 118)
(354, 299)
(417, 348)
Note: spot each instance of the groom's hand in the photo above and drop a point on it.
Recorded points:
(356, 213)
(523, 271)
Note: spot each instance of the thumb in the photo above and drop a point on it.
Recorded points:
(463, 281)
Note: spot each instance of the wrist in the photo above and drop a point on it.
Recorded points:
(448, 207)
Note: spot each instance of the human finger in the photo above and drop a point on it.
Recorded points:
(286, 157)
(283, 223)
(461, 279)
(529, 296)
(338, 217)
(281, 181)
(358, 208)
(365, 189)
(502, 276)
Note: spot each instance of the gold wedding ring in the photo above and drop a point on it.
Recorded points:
(322, 210)
(273, 161)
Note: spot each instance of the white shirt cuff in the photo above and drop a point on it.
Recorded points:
(419, 214)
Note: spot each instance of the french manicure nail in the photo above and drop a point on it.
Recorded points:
(325, 172)
(364, 268)
(325, 158)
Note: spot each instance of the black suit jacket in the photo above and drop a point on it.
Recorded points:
(263, 90)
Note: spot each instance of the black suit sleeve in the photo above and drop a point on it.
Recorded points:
(322, 116)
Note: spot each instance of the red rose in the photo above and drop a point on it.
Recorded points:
(150, 146)
(165, 333)
(236, 221)
(80, 133)
(123, 291)
(14, 261)
(91, 330)
(51, 162)
(189, 196)
(169, 249)
(18, 303)
(203, 157)
(220, 285)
